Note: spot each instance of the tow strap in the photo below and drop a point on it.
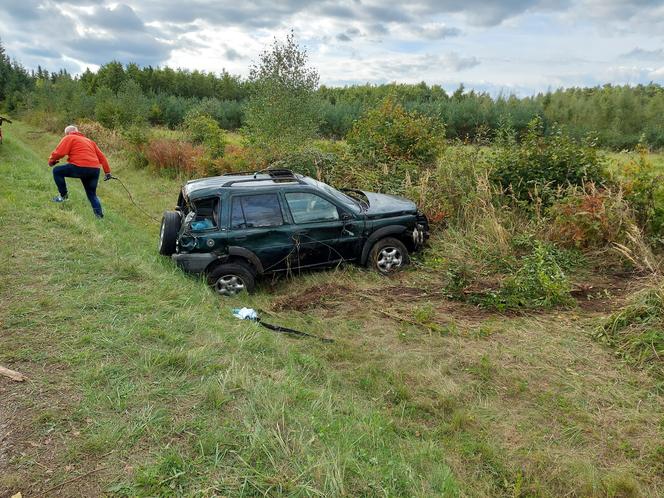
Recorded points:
(251, 315)
(286, 330)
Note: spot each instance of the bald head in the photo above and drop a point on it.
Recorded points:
(70, 129)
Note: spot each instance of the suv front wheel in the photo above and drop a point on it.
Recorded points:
(388, 255)
(230, 279)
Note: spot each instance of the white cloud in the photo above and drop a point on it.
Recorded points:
(517, 44)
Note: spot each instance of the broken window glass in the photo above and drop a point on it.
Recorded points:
(206, 214)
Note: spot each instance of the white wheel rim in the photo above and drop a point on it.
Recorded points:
(389, 259)
(229, 285)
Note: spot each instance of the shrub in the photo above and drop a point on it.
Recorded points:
(137, 138)
(542, 164)
(106, 139)
(204, 130)
(450, 191)
(311, 161)
(174, 157)
(539, 283)
(589, 218)
(389, 134)
(644, 190)
(236, 158)
(46, 120)
(637, 331)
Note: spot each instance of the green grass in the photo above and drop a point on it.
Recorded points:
(140, 376)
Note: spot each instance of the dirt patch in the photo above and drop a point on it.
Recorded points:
(317, 296)
(605, 294)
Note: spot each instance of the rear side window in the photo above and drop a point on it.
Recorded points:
(255, 211)
(309, 208)
(206, 214)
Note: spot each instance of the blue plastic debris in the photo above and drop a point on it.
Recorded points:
(245, 313)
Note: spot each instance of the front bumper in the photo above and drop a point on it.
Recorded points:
(420, 233)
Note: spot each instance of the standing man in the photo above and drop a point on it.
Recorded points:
(84, 159)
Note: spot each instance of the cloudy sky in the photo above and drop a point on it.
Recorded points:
(519, 46)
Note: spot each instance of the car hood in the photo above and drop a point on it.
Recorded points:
(381, 205)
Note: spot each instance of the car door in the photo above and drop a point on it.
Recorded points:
(323, 232)
(257, 224)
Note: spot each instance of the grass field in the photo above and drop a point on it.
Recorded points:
(142, 383)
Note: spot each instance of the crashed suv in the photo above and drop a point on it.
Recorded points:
(237, 227)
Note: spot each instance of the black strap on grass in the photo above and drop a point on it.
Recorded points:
(286, 330)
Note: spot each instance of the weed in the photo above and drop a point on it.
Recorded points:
(539, 283)
(637, 331)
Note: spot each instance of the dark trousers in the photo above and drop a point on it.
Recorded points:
(89, 178)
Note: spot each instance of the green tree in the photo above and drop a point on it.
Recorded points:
(283, 113)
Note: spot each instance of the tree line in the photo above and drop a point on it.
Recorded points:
(124, 94)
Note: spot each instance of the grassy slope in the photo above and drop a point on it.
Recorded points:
(139, 374)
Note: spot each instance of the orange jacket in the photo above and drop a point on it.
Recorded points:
(81, 151)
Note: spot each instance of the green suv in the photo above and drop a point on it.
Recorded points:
(236, 227)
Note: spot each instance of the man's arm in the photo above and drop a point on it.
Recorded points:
(60, 151)
(102, 160)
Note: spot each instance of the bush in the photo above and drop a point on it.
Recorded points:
(453, 189)
(137, 138)
(204, 130)
(541, 165)
(637, 331)
(236, 158)
(388, 134)
(310, 162)
(589, 218)
(49, 121)
(106, 139)
(644, 190)
(539, 283)
(173, 157)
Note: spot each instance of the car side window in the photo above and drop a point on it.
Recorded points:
(309, 208)
(255, 211)
(206, 214)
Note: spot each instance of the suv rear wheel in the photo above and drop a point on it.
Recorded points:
(388, 255)
(168, 234)
(230, 279)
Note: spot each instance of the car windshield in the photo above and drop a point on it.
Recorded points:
(347, 200)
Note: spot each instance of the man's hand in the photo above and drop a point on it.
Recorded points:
(107, 177)
(52, 163)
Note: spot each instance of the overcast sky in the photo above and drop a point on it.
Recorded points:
(519, 46)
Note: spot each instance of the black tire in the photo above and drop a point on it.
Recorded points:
(388, 255)
(230, 279)
(168, 234)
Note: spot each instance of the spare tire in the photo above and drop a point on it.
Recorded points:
(168, 235)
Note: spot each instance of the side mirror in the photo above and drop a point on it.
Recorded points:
(346, 216)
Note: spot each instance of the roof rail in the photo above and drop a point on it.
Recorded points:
(277, 179)
(274, 172)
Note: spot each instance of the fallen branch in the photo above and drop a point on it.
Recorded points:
(12, 374)
(68, 481)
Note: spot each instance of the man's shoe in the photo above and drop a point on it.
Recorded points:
(59, 198)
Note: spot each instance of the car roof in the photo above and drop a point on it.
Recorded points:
(205, 187)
